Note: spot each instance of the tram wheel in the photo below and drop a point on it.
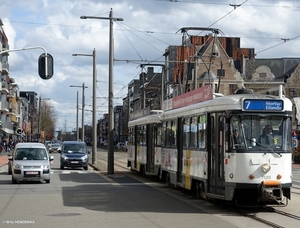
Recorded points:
(168, 179)
(201, 190)
(143, 171)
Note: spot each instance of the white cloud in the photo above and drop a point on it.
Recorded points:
(148, 28)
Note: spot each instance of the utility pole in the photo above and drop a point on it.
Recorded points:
(94, 133)
(110, 156)
(83, 103)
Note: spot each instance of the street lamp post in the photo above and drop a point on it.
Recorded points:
(110, 160)
(83, 87)
(39, 127)
(94, 133)
(77, 111)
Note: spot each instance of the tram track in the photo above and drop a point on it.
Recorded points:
(266, 216)
(263, 215)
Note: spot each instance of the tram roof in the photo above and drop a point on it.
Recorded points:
(154, 118)
(229, 102)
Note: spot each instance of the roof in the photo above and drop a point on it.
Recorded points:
(27, 145)
(73, 142)
(280, 67)
(207, 76)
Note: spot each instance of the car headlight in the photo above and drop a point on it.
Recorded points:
(18, 166)
(84, 157)
(64, 157)
(45, 166)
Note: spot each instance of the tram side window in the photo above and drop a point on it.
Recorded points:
(171, 134)
(168, 134)
(138, 137)
(143, 136)
(131, 136)
(158, 135)
(193, 133)
(163, 134)
(201, 131)
(186, 133)
(174, 129)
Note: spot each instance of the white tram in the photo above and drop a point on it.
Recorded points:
(198, 149)
(144, 144)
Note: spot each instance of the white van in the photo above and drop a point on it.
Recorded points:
(30, 161)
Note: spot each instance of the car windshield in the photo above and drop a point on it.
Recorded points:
(30, 154)
(74, 148)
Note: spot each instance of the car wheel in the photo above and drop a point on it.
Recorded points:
(47, 181)
(62, 167)
(86, 167)
(13, 180)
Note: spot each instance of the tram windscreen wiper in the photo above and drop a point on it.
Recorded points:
(264, 146)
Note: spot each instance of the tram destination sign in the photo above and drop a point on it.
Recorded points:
(262, 105)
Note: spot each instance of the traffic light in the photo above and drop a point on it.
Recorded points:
(42, 66)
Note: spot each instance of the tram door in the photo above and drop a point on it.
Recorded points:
(180, 149)
(150, 148)
(135, 146)
(216, 149)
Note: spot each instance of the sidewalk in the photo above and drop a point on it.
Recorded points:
(101, 165)
(3, 159)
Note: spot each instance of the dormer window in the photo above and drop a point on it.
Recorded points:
(262, 75)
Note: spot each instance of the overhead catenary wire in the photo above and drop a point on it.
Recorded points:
(145, 40)
(285, 40)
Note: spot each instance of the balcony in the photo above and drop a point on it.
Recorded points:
(4, 110)
(4, 89)
(10, 95)
(11, 111)
(4, 49)
(5, 68)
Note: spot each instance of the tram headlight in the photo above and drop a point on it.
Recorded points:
(266, 168)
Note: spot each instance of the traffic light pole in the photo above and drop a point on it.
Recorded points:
(45, 76)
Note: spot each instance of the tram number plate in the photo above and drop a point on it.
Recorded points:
(266, 177)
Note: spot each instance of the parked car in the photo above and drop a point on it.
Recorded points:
(74, 154)
(30, 161)
(54, 147)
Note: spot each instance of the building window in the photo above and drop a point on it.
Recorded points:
(293, 93)
(221, 72)
(262, 75)
(232, 88)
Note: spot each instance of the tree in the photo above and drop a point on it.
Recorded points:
(48, 119)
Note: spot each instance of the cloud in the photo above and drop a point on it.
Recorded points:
(149, 27)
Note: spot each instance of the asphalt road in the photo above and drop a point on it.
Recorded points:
(78, 198)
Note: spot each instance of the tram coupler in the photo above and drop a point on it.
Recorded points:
(271, 191)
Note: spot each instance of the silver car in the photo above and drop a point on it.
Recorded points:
(30, 161)
(54, 147)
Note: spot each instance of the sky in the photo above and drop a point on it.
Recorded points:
(148, 28)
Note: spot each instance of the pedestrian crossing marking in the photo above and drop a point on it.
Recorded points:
(72, 171)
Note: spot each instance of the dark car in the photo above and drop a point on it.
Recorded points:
(74, 154)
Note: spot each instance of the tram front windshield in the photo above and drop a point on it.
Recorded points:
(261, 131)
